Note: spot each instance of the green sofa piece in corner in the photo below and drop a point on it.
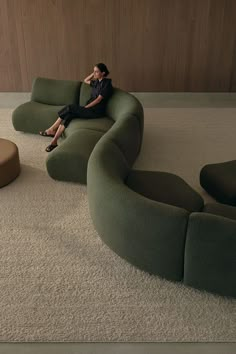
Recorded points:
(175, 237)
(68, 162)
(218, 179)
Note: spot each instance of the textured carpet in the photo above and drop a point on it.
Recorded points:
(59, 282)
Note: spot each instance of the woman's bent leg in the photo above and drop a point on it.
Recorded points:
(53, 143)
(53, 128)
(76, 111)
(65, 110)
(82, 112)
(68, 113)
(59, 132)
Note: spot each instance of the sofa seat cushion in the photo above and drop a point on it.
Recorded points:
(219, 181)
(165, 187)
(102, 124)
(227, 211)
(69, 161)
(32, 116)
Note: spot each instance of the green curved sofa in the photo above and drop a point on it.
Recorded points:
(68, 162)
(198, 248)
(170, 237)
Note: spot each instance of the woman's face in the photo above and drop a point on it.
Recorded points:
(97, 73)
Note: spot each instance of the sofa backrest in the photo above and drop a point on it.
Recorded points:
(135, 227)
(120, 103)
(108, 160)
(55, 92)
(127, 135)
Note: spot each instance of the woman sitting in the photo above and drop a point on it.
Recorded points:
(95, 107)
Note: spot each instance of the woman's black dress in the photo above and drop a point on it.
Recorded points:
(103, 88)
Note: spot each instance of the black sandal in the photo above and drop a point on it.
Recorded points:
(50, 147)
(44, 133)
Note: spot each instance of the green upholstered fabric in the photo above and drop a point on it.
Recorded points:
(219, 181)
(126, 134)
(85, 93)
(99, 124)
(136, 228)
(227, 211)
(166, 188)
(123, 104)
(32, 116)
(210, 254)
(68, 162)
(55, 92)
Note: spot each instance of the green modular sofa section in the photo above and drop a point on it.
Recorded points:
(174, 236)
(68, 162)
(218, 179)
(148, 234)
(48, 96)
(198, 248)
(210, 253)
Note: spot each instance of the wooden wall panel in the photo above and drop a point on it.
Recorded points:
(148, 45)
(233, 71)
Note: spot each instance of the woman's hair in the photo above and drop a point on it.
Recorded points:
(102, 67)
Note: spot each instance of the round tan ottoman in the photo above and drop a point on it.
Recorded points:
(9, 162)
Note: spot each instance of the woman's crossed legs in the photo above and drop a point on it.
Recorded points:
(56, 131)
(67, 113)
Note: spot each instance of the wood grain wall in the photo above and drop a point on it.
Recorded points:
(148, 45)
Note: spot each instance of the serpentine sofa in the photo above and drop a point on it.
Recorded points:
(154, 220)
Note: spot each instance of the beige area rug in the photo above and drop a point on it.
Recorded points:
(59, 282)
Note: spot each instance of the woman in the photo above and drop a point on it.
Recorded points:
(95, 107)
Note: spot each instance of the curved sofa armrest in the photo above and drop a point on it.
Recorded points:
(124, 104)
(127, 135)
(55, 92)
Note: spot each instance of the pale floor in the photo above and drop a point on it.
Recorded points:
(118, 348)
(12, 100)
(148, 99)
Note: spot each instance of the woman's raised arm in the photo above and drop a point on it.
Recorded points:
(88, 78)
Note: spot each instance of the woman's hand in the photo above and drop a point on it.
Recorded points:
(94, 102)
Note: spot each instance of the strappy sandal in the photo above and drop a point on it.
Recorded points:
(50, 147)
(44, 133)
